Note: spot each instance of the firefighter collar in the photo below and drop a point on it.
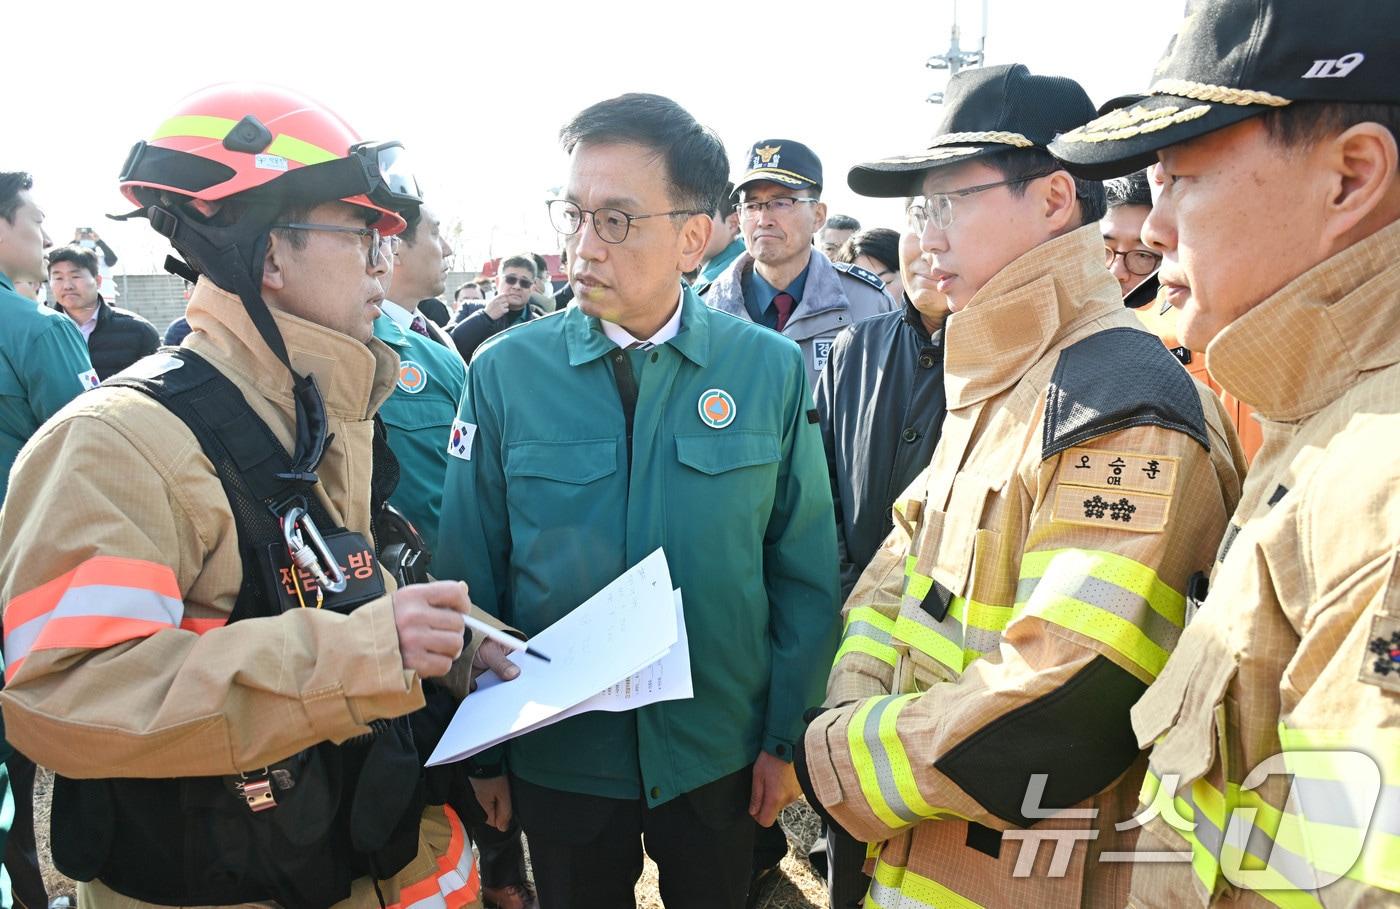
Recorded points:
(1333, 323)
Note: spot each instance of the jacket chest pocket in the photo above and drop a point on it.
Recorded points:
(556, 484)
(952, 610)
(737, 469)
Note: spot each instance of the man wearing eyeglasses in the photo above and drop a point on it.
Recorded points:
(1034, 582)
(639, 418)
(781, 280)
(511, 306)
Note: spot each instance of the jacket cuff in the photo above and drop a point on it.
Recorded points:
(374, 685)
(780, 747)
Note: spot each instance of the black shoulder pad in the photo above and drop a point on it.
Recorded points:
(855, 271)
(1115, 379)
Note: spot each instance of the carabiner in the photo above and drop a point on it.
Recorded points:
(311, 554)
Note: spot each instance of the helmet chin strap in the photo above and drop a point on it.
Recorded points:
(232, 258)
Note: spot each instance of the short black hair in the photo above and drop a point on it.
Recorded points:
(1129, 190)
(80, 256)
(727, 203)
(878, 243)
(541, 264)
(841, 222)
(1018, 163)
(696, 164)
(412, 217)
(524, 260)
(12, 183)
(457, 294)
(1307, 122)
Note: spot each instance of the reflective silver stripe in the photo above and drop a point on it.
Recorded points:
(1110, 598)
(981, 640)
(1331, 802)
(893, 898)
(95, 601)
(1294, 868)
(1206, 833)
(449, 882)
(884, 775)
(867, 630)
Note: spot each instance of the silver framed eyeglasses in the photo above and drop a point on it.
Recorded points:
(938, 207)
(610, 224)
(377, 243)
(780, 205)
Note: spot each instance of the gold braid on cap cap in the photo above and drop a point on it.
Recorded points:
(1130, 122)
(1200, 91)
(1014, 139)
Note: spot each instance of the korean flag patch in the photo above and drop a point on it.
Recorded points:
(89, 379)
(459, 444)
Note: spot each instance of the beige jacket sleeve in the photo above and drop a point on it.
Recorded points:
(120, 567)
(1098, 605)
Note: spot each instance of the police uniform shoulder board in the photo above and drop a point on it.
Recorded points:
(862, 274)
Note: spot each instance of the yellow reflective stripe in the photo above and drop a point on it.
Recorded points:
(202, 127)
(1112, 599)
(933, 644)
(867, 631)
(864, 763)
(893, 886)
(299, 151)
(987, 616)
(872, 648)
(296, 150)
(1382, 744)
(916, 585)
(901, 769)
(1119, 570)
(869, 614)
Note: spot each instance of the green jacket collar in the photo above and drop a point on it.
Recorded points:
(388, 331)
(583, 334)
(6, 283)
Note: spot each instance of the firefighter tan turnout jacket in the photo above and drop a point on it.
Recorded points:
(1276, 769)
(121, 564)
(1032, 588)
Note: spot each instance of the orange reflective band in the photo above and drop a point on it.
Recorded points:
(104, 601)
(457, 882)
(201, 626)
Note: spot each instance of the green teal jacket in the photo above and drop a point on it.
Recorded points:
(418, 418)
(541, 511)
(43, 365)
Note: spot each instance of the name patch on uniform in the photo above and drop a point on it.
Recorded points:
(1119, 470)
(821, 352)
(89, 379)
(412, 377)
(1096, 506)
(459, 444)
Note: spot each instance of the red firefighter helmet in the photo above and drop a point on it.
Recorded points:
(240, 137)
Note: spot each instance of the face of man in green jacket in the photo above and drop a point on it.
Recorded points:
(634, 283)
(22, 236)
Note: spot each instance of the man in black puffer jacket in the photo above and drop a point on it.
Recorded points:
(116, 338)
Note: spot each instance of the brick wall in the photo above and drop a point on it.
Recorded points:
(161, 298)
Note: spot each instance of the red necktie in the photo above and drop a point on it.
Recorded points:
(420, 325)
(784, 303)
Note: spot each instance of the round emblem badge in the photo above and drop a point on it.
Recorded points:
(717, 408)
(412, 377)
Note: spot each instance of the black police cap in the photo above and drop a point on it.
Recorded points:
(1235, 59)
(781, 161)
(986, 112)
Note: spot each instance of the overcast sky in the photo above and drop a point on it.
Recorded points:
(478, 91)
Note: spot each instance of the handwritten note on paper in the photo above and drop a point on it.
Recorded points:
(616, 633)
(667, 679)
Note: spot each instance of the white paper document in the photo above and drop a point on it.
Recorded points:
(623, 648)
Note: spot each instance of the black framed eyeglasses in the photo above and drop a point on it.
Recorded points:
(938, 207)
(780, 205)
(610, 224)
(377, 243)
(1139, 262)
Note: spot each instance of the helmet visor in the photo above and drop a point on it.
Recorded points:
(392, 183)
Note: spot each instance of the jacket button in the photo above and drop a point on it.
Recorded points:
(782, 750)
(910, 435)
(656, 792)
(926, 361)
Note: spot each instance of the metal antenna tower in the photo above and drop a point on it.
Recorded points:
(955, 58)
